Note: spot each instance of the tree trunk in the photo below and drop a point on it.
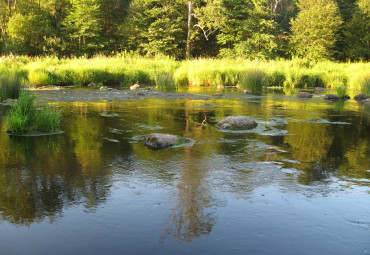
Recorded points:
(189, 29)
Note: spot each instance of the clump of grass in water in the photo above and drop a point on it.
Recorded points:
(252, 80)
(10, 86)
(23, 116)
(165, 81)
(47, 120)
(341, 90)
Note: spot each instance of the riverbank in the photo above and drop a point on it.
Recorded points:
(125, 71)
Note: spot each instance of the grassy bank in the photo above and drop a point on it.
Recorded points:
(128, 70)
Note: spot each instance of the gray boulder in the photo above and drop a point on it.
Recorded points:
(158, 141)
(360, 97)
(304, 95)
(331, 97)
(236, 123)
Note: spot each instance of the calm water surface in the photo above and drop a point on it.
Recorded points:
(298, 184)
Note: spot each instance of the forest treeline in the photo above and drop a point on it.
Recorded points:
(254, 29)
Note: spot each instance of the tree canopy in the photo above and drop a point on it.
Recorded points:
(254, 29)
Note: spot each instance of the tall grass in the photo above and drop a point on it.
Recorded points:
(23, 116)
(10, 85)
(127, 70)
(341, 90)
(252, 80)
(165, 81)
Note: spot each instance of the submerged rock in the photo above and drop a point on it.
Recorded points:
(304, 95)
(319, 89)
(360, 97)
(331, 97)
(236, 123)
(10, 101)
(158, 141)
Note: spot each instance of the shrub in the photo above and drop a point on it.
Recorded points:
(40, 78)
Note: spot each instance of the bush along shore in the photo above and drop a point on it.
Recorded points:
(165, 72)
(24, 118)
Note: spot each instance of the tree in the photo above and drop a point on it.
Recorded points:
(83, 27)
(314, 29)
(249, 31)
(357, 33)
(28, 33)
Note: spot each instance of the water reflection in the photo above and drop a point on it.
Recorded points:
(41, 177)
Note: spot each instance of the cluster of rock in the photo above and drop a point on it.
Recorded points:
(158, 141)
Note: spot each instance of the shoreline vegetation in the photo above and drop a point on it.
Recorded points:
(165, 72)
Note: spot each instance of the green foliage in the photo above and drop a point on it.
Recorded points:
(40, 78)
(9, 86)
(23, 116)
(341, 90)
(47, 120)
(165, 80)
(252, 80)
(356, 34)
(314, 29)
(28, 33)
(248, 31)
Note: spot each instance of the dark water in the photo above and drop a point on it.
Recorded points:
(298, 184)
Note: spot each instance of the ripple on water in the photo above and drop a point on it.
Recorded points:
(321, 121)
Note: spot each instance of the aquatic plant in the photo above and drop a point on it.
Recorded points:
(47, 120)
(341, 90)
(23, 116)
(252, 80)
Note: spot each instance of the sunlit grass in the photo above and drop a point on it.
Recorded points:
(127, 70)
(23, 116)
(253, 80)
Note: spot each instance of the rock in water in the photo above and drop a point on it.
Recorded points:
(236, 123)
(158, 141)
(319, 89)
(360, 97)
(331, 97)
(304, 95)
(134, 87)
